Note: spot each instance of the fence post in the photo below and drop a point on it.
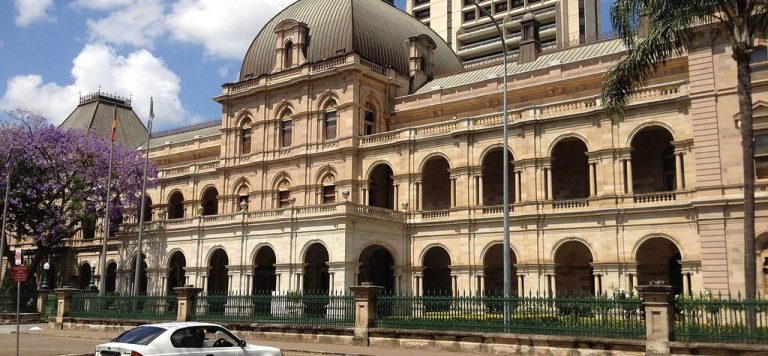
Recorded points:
(365, 310)
(186, 297)
(658, 301)
(42, 301)
(63, 302)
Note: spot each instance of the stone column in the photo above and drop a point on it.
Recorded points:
(592, 178)
(42, 301)
(548, 176)
(480, 190)
(453, 192)
(365, 311)
(518, 186)
(659, 317)
(186, 298)
(520, 285)
(63, 302)
(628, 171)
(419, 197)
(679, 183)
(481, 284)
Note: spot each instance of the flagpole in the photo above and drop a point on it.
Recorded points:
(103, 258)
(143, 199)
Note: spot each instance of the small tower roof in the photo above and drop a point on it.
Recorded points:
(95, 112)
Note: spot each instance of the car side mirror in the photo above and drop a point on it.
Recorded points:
(241, 343)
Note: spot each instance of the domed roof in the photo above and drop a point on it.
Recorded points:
(373, 29)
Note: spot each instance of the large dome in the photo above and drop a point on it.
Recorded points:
(373, 29)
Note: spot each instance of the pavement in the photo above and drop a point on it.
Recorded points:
(49, 342)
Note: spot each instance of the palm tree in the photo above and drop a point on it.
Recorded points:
(670, 27)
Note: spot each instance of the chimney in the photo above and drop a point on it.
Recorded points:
(530, 47)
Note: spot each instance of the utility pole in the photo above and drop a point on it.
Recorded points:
(103, 257)
(137, 273)
(5, 211)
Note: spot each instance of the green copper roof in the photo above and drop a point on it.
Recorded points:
(373, 29)
(95, 114)
(571, 55)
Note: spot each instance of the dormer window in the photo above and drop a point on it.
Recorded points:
(330, 119)
(291, 45)
(288, 56)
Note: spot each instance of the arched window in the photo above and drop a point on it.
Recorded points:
(176, 205)
(210, 201)
(286, 129)
(284, 194)
(89, 228)
(288, 58)
(242, 197)
(369, 120)
(147, 209)
(329, 120)
(245, 138)
(329, 189)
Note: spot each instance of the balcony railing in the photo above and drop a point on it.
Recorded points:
(655, 197)
(570, 204)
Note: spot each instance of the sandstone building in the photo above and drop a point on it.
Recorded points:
(356, 147)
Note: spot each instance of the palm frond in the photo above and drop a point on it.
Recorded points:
(669, 33)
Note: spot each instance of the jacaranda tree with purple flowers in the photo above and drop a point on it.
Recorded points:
(59, 182)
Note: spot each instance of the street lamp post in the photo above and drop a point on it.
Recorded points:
(93, 276)
(44, 283)
(507, 256)
(5, 210)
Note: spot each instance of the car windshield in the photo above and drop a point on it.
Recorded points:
(140, 336)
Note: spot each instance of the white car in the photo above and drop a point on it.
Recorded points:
(177, 339)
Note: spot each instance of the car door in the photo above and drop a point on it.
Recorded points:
(185, 342)
(218, 341)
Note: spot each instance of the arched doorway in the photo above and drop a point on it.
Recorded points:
(570, 171)
(176, 205)
(494, 271)
(493, 178)
(176, 276)
(218, 277)
(658, 260)
(653, 161)
(573, 270)
(381, 191)
(142, 275)
(110, 283)
(84, 273)
(436, 184)
(264, 277)
(377, 267)
(210, 201)
(316, 276)
(437, 273)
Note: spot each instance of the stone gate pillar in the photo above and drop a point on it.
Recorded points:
(365, 311)
(658, 301)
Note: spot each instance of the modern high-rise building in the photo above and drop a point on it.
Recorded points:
(474, 37)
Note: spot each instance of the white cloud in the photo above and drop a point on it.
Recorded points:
(224, 28)
(137, 23)
(139, 74)
(31, 11)
(102, 4)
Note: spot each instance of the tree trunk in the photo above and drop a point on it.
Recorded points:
(742, 53)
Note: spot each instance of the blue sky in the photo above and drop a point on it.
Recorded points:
(179, 51)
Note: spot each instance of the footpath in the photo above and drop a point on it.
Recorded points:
(289, 348)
